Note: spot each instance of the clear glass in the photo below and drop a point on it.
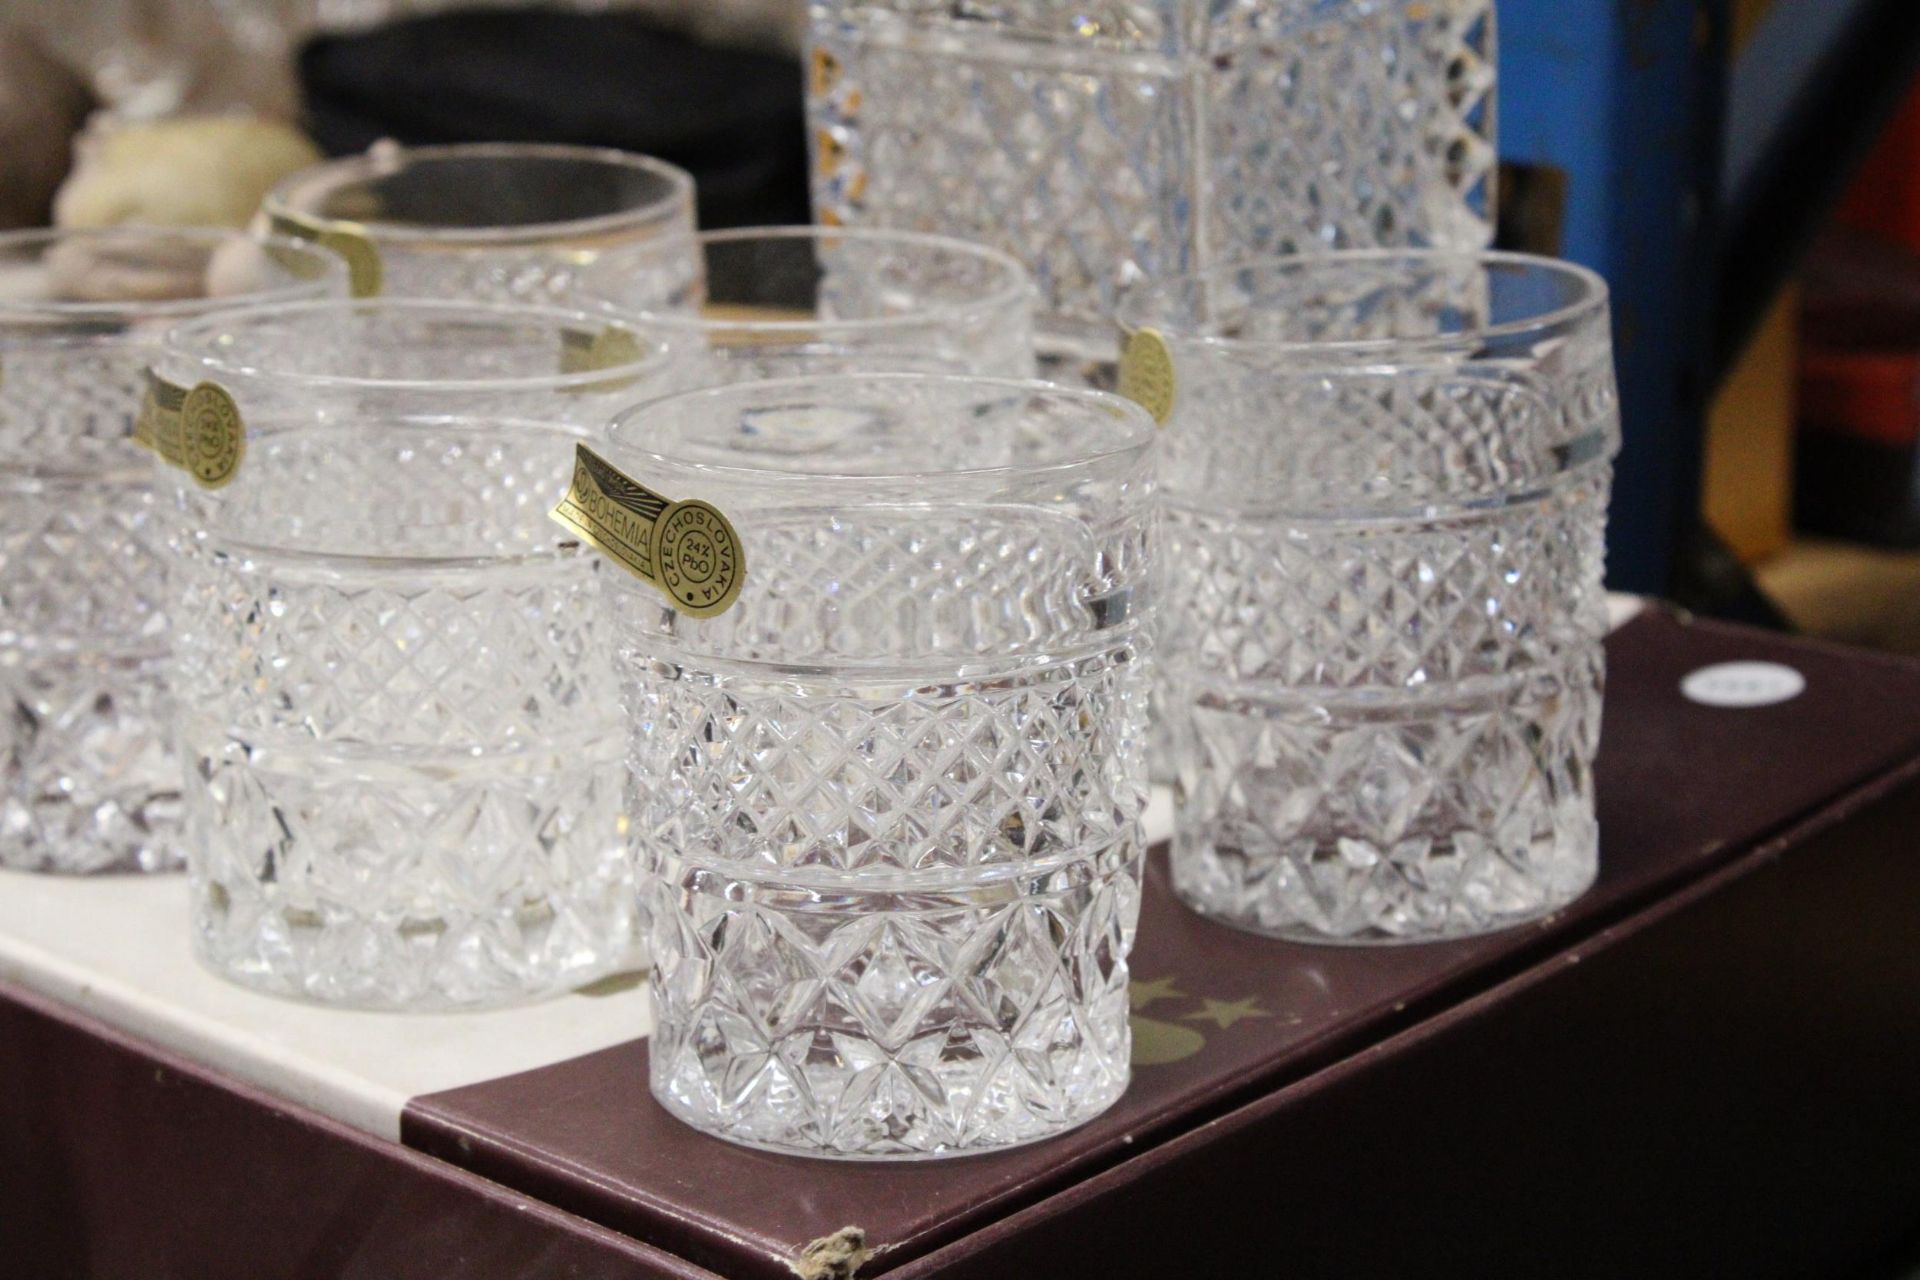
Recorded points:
(87, 782)
(1105, 143)
(337, 358)
(888, 807)
(774, 302)
(398, 705)
(491, 222)
(1385, 502)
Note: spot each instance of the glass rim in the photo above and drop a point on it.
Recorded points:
(1015, 288)
(329, 271)
(174, 344)
(1142, 437)
(1133, 313)
(331, 175)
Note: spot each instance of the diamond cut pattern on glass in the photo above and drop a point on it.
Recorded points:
(407, 789)
(1386, 133)
(1135, 141)
(419, 891)
(1027, 768)
(1449, 819)
(87, 780)
(889, 907)
(1384, 727)
(547, 275)
(853, 1029)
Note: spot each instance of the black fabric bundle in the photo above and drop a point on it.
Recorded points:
(732, 118)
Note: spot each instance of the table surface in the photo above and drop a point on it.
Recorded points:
(116, 948)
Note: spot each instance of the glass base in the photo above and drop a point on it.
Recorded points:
(445, 884)
(417, 966)
(1405, 925)
(1389, 817)
(695, 1119)
(908, 1026)
(78, 856)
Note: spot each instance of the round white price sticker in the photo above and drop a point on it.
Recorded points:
(1744, 684)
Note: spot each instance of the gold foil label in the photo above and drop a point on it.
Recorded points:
(1146, 374)
(347, 239)
(590, 351)
(199, 431)
(687, 549)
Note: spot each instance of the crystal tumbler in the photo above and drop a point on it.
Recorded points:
(888, 806)
(494, 222)
(87, 782)
(1100, 143)
(1385, 502)
(772, 302)
(398, 710)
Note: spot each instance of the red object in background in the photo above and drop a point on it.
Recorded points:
(1857, 468)
(1860, 339)
(1857, 472)
(1885, 198)
(1871, 395)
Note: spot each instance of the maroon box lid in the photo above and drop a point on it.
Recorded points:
(1221, 1017)
(121, 1159)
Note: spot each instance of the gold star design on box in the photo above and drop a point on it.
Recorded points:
(1142, 994)
(1224, 1013)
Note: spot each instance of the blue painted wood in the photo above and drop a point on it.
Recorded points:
(1626, 98)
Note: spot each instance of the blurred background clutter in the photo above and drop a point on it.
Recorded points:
(1746, 174)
